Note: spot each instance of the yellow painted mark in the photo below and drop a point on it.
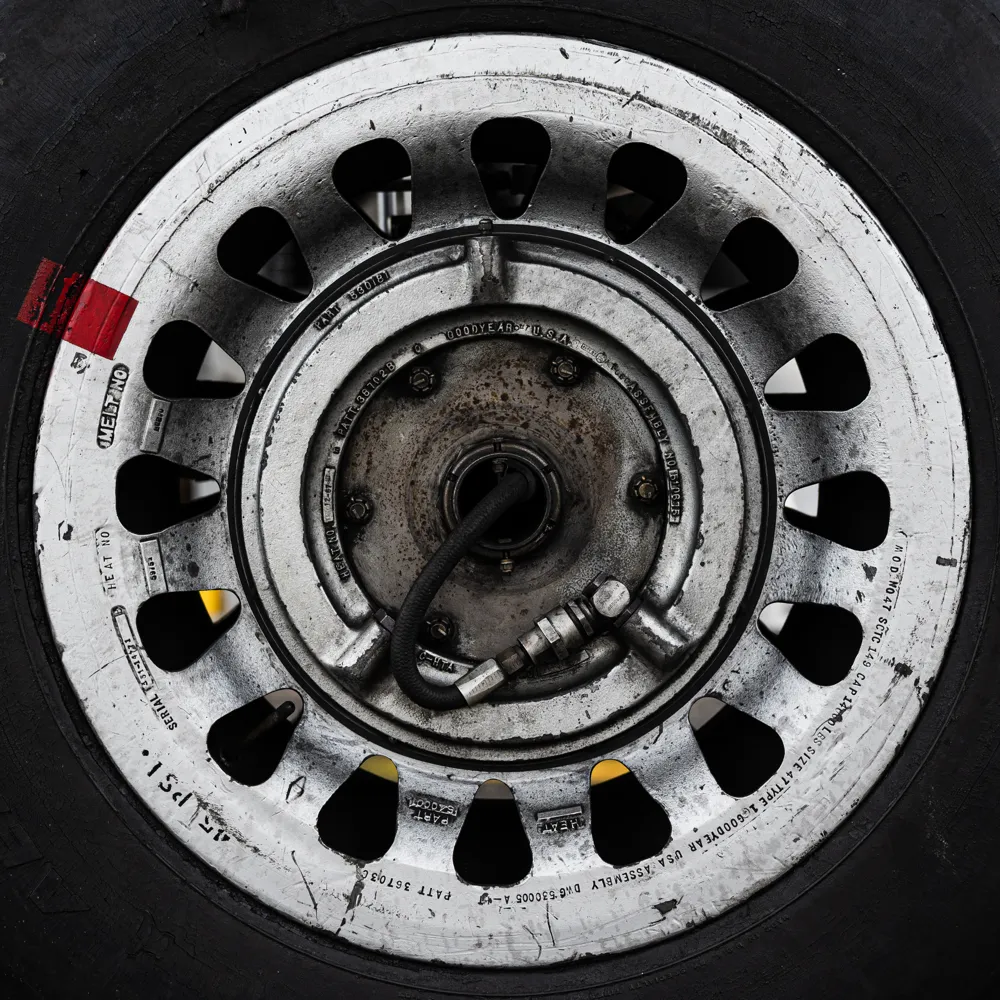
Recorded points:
(381, 767)
(219, 603)
(605, 770)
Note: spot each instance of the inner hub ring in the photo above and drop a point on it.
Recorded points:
(529, 524)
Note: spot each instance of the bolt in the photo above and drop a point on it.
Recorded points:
(563, 370)
(422, 381)
(440, 627)
(506, 564)
(358, 509)
(645, 489)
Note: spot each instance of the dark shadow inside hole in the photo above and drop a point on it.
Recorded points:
(359, 819)
(374, 178)
(851, 509)
(510, 155)
(249, 742)
(741, 752)
(260, 250)
(829, 374)
(183, 362)
(820, 640)
(178, 627)
(643, 183)
(754, 260)
(492, 847)
(152, 494)
(515, 525)
(627, 823)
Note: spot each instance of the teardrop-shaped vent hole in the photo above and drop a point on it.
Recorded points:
(627, 823)
(178, 627)
(754, 260)
(152, 493)
(375, 180)
(643, 182)
(359, 819)
(492, 847)
(260, 249)
(510, 155)
(741, 752)
(829, 374)
(183, 362)
(851, 509)
(249, 742)
(820, 640)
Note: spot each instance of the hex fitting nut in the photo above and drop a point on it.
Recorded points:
(511, 660)
(481, 681)
(611, 598)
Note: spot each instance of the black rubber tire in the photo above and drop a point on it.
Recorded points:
(99, 97)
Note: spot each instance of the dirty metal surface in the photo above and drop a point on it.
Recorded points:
(496, 392)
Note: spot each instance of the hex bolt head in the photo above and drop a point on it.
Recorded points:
(422, 381)
(506, 565)
(564, 370)
(645, 489)
(358, 509)
(440, 627)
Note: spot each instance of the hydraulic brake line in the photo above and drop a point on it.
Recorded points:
(604, 604)
(512, 488)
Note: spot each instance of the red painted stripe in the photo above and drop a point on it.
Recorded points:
(84, 312)
(100, 319)
(64, 304)
(33, 306)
